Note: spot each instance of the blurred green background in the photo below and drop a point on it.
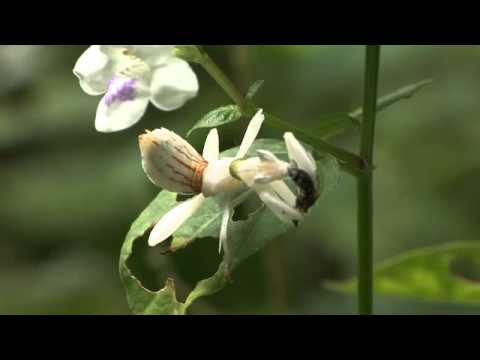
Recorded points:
(69, 194)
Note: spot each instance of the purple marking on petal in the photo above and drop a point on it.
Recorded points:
(120, 89)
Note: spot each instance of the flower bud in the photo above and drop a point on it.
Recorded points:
(170, 162)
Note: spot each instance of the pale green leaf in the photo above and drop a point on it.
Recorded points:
(209, 286)
(329, 125)
(245, 237)
(218, 117)
(329, 174)
(429, 274)
(325, 126)
(403, 93)
(140, 299)
(205, 222)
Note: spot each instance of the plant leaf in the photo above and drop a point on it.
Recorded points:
(245, 237)
(428, 274)
(326, 126)
(140, 299)
(252, 91)
(329, 125)
(405, 92)
(208, 286)
(205, 222)
(220, 116)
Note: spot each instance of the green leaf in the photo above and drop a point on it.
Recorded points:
(218, 117)
(428, 274)
(326, 126)
(209, 286)
(205, 223)
(252, 91)
(405, 92)
(245, 237)
(140, 299)
(253, 234)
(329, 174)
(329, 125)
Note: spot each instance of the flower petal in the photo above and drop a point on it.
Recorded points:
(173, 85)
(300, 155)
(172, 220)
(122, 106)
(113, 50)
(93, 71)
(118, 55)
(251, 134)
(153, 55)
(211, 149)
(227, 213)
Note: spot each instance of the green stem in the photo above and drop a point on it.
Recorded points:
(364, 183)
(222, 79)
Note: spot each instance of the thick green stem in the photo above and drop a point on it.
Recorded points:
(222, 80)
(364, 183)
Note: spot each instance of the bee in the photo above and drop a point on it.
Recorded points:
(306, 185)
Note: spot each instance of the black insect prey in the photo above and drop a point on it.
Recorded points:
(307, 191)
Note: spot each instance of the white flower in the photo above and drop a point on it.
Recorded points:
(172, 163)
(131, 76)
